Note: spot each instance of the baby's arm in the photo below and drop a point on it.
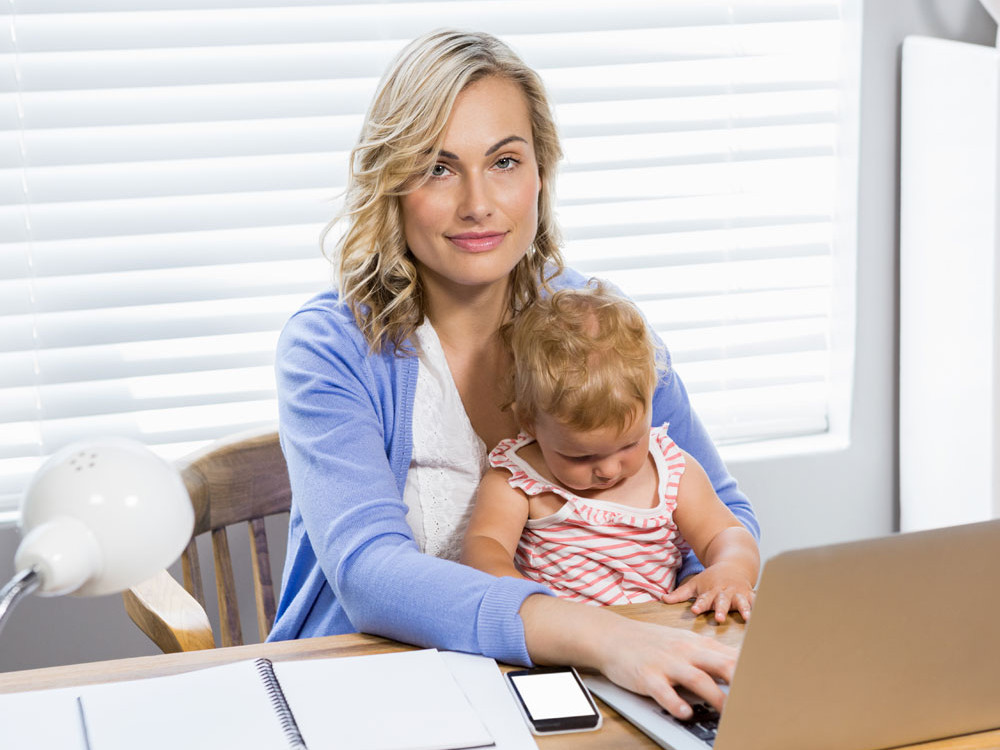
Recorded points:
(728, 550)
(495, 526)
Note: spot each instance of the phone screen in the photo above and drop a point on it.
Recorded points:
(554, 700)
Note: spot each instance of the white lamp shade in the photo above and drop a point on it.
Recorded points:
(993, 8)
(101, 516)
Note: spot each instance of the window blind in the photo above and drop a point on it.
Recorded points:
(166, 167)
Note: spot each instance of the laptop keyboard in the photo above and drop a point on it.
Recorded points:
(703, 724)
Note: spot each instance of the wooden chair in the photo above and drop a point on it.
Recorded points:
(240, 479)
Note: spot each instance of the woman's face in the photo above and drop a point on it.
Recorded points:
(475, 217)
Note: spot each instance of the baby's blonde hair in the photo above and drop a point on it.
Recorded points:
(400, 141)
(584, 357)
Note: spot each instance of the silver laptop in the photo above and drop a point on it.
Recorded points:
(858, 646)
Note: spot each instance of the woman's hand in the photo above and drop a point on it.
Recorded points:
(654, 659)
(722, 587)
(643, 657)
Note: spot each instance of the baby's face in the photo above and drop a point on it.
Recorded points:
(593, 460)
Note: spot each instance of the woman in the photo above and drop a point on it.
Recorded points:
(389, 390)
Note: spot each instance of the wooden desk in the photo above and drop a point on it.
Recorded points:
(616, 732)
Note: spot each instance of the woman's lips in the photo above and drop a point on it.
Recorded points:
(477, 242)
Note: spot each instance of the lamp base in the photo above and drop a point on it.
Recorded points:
(19, 586)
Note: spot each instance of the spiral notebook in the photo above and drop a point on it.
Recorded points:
(382, 702)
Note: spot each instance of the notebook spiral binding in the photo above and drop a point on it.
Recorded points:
(265, 670)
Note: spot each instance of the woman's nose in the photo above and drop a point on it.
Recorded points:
(475, 203)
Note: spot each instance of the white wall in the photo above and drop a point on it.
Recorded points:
(801, 500)
(823, 498)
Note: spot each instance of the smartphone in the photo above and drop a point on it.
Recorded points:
(554, 700)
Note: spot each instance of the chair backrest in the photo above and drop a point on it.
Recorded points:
(239, 479)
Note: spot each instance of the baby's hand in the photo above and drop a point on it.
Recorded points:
(720, 587)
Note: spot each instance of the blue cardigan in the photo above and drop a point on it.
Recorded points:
(352, 564)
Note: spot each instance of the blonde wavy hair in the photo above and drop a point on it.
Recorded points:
(400, 140)
(584, 357)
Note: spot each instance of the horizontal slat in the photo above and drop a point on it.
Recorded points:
(168, 425)
(190, 65)
(691, 113)
(105, 397)
(148, 323)
(752, 307)
(254, 101)
(65, 221)
(301, 242)
(680, 248)
(737, 416)
(166, 286)
(700, 146)
(91, 255)
(641, 214)
(144, 106)
(50, 147)
(135, 359)
(102, 398)
(52, 160)
(748, 339)
(711, 170)
(653, 216)
(702, 181)
(279, 134)
(87, 257)
(347, 22)
(716, 278)
(785, 369)
(101, 182)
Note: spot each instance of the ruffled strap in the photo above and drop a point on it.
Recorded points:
(502, 457)
(673, 462)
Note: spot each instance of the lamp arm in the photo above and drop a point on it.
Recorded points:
(19, 586)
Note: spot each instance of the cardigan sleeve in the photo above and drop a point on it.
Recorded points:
(671, 404)
(340, 432)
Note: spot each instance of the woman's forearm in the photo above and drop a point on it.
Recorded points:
(557, 631)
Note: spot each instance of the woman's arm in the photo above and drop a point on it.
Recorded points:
(671, 405)
(495, 526)
(728, 550)
(353, 560)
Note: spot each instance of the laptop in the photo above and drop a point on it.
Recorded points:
(857, 646)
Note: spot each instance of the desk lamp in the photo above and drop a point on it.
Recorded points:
(97, 518)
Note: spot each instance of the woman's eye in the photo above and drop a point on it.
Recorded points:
(439, 170)
(506, 162)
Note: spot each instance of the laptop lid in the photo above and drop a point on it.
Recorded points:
(871, 644)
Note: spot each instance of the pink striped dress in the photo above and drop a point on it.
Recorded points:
(597, 551)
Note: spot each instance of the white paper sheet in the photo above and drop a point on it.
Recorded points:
(401, 701)
(41, 719)
(487, 691)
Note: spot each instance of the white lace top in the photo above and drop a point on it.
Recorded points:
(448, 457)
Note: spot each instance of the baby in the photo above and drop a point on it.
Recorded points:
(589, 499)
